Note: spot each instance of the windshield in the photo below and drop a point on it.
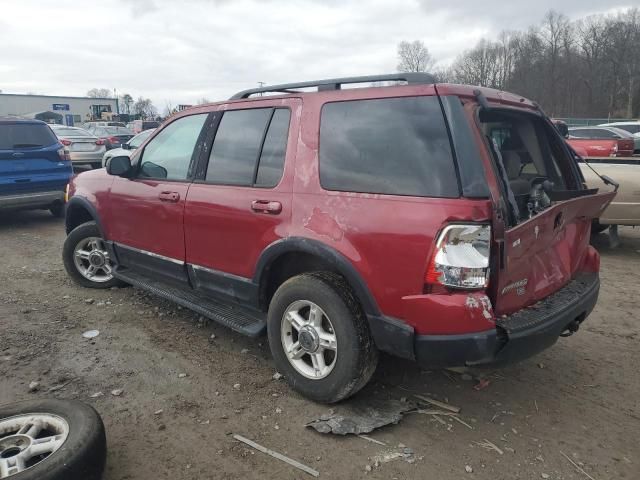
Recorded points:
(118, 131)
(25, 135)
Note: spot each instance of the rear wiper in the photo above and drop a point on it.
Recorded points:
(26, 145)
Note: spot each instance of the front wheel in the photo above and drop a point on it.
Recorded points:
(87, 259)
(319, 337)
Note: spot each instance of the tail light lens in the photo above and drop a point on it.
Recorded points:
(99, 142)
(461, 257)
(114, 140)
(63, 153)
(65, 142)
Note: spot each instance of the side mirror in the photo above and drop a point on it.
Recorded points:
(125, 146)
(119, 166)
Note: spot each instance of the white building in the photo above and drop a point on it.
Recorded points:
(53, 109)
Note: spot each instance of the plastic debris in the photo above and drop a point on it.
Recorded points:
(362, 417)
(91, 333)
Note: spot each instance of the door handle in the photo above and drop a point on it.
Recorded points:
(266, 206)
(169, 197)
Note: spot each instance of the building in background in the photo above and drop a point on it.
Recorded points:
(54, 109)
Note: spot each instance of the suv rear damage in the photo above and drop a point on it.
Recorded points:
(442, 223)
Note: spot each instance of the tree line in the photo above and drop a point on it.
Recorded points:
(588, 67)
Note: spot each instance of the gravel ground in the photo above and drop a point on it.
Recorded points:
(188, 384)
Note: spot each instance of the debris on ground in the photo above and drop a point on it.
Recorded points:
(373, 440)
(482, 384)
(158, 412)
(91, 334)
(277, 376)
(490, 446)
(362, 416)
(438, 403)
(182, 375)
(468, 469)
(578, 467)
(33, 386)
(117, 392)
(402, 452)
(96, 395)
(277, 455)
(55, 388)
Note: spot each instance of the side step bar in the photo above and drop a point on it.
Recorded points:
(237, 318)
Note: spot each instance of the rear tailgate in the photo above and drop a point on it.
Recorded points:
(542, 254)
(33, 170)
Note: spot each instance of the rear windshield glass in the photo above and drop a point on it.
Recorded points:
(71, 132)
(118, 131)
(396, 146)
(25, 135)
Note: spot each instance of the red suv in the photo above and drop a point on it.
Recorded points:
(445, 224)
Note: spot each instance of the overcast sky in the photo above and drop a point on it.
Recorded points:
(178, 51)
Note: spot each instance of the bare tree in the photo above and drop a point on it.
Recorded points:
(100, 93)
(126, 101)
(144, 108)
(202, 101)
(414, 57)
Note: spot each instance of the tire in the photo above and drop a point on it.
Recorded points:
(79, 234)
(82, 454)
(58, 210)
(356, 356)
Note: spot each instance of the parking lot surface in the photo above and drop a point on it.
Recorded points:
(172, 388)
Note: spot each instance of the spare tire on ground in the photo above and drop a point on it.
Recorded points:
(51, 440)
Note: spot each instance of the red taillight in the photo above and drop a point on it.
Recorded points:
(63, 153)
(113, 140)
(461, 257)
(99, 142)
(65, 142)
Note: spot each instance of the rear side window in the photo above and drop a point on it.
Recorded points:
(25, 135)
(249, 147)
(395, 146)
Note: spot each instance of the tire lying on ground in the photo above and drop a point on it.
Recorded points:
(51, 440)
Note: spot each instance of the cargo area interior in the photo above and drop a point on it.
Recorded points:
(529, 160)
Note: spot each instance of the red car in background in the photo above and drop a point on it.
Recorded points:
(601, 141)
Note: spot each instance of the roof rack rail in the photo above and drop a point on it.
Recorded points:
(412, 78)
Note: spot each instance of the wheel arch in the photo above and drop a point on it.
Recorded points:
(79, 211)
(309, 255)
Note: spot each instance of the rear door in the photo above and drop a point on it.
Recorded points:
(146, 211)
(29, 159)
(242, 200)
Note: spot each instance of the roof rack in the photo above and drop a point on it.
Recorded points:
(411, 78)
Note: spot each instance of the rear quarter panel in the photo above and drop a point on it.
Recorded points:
(387, 238)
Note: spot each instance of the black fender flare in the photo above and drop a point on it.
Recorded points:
(389, 334)
(78, 201)
(313, 247)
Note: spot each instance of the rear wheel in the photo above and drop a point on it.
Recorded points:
(319, 337)
(87, 259)
(57, 210)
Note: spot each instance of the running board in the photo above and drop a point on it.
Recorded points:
(240, 319)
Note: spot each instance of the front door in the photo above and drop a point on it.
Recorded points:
(146, 217)
(241, 201)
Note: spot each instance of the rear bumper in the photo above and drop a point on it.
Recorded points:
(516, 337)
(86, 157)
(31, 200)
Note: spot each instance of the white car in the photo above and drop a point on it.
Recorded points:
(127, 148)
(631, 127)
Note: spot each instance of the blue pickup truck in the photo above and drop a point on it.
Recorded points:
(34, 167)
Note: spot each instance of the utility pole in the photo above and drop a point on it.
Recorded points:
(115, 94)
(260, 84)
